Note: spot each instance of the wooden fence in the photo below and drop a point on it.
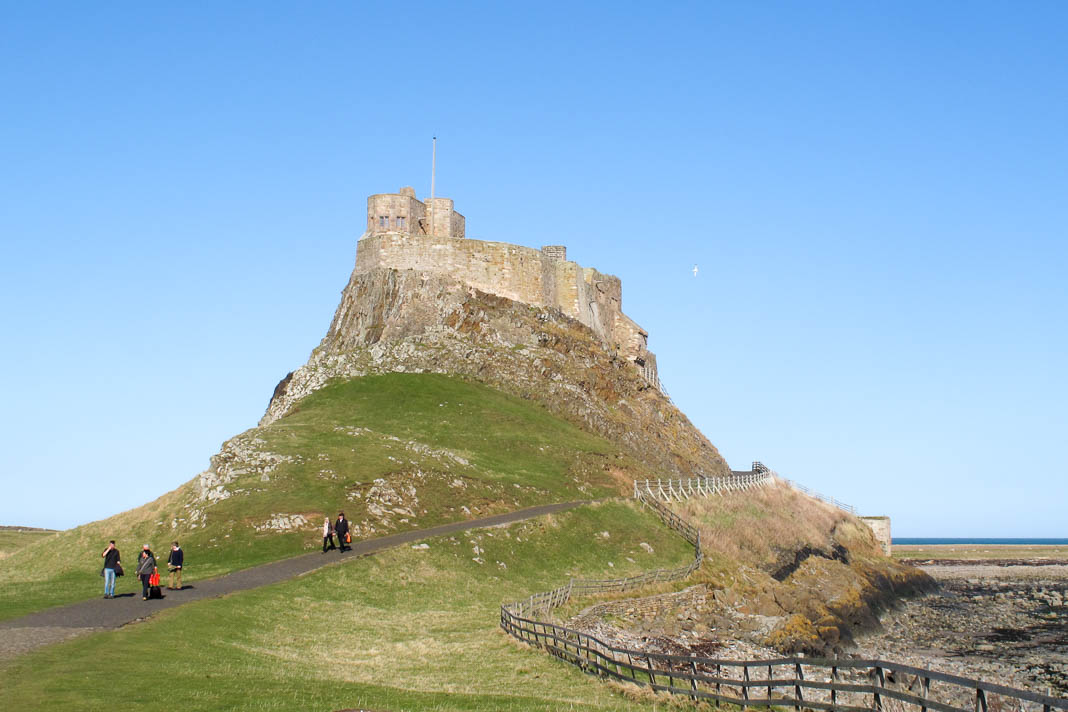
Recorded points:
(837, 684)
(840, 684)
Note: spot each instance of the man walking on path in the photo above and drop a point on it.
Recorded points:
(111, 564)
(174, 565)
(341, 528)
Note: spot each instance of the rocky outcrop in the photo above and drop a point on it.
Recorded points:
(405, 321)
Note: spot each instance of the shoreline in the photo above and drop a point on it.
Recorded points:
(999, 619)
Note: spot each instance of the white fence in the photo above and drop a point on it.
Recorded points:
(677, 490)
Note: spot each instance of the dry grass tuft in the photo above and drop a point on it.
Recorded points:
(762, 527)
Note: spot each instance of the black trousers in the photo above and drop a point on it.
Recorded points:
(144, 585)
(330, 538)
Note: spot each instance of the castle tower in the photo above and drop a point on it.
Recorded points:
(403, 213)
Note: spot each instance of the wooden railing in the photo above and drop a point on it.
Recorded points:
(846, 685)
(668, 490)
(838, 684)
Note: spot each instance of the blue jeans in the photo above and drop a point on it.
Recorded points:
(109, 582)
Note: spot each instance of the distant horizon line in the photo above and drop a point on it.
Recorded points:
(978, 540)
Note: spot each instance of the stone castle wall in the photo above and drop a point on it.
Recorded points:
(523, 274)
(403, 212)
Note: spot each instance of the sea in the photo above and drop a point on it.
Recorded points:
(928, 541)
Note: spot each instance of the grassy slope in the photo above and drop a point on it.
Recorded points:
(458, 444)
(11, 540)
(406, 629)
(764, 527)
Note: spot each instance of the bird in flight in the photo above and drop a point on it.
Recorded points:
(695, 270)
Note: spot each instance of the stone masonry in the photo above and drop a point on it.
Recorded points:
(407, 234)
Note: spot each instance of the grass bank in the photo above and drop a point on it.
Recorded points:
(11, 540)
(408, 629)
(397, 452)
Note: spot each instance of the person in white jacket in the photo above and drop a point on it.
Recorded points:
(328, 535)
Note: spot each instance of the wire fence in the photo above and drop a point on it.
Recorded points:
(822, 497)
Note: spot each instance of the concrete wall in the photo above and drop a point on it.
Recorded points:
(880, 527)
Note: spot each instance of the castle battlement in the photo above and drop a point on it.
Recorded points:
(406, 233)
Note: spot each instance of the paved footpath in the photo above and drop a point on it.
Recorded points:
(20, 635)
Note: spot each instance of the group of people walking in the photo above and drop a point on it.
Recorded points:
(147, 569)
(341, 529)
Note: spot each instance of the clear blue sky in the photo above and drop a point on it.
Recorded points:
(874, 193)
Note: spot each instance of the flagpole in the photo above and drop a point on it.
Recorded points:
(433, 171)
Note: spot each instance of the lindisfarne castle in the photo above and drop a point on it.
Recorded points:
(406, 233)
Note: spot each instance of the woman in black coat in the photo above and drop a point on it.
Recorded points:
(341, 528)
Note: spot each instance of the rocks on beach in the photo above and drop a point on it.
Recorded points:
(1000, 623)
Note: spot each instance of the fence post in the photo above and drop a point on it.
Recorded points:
(834, 682)
(980, 700)
(799, 675)
(693, 680)
(769, 683)
(926, 692)
(649, 662)
(745, 688)
(876, 698)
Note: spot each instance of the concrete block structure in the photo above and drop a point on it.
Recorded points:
(880, 527)
(406, 233)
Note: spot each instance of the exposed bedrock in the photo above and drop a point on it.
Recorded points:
(405, 321)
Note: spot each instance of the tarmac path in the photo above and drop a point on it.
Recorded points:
(20, 635)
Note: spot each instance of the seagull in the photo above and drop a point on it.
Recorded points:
(695, 270)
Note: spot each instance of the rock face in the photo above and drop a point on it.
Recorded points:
(407, 321)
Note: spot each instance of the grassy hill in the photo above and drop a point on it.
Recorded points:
(395, 451)
(408, 629)
(14, 538)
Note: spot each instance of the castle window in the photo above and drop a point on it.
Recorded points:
(383, 221)
(400, 222)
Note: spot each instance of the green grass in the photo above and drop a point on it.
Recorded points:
(11, 540)
(978, 552)
(450, 449)
(403, 630)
